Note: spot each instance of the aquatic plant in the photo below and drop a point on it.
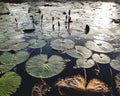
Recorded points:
(41, 66)
(33, 43)
(101, 58)
(78, 85)
(79, 52)
(99, 46)
(84, 63)
(9, 82)
(9, 60)
(115, 64)
(62, 44)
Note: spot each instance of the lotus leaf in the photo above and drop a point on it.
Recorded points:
(62, 44)
(79, 52)
(99, 46)
(102, 58)
(19, 46)
(115, 64)
(9, 83)
(37, 43)
(9, 60)
(43, 67)
(117, 82)
(104, 37)
(84, 63)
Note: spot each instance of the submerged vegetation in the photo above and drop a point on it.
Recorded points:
(68, 47)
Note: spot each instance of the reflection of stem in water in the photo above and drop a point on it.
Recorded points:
(111, 77)
(58, 26)
(41, 21)
(97, 71)
(40, 50)
(85, 74)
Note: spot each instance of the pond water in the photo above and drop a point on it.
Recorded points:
(48, 28)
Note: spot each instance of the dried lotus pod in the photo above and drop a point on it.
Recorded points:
(40, 89)
(117, 82)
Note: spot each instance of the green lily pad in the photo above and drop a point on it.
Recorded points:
(79, 52)
(102, 58)
(84, 63)
(33, 43)
(115, 64)
(9, 83)
(62, 44)
(9, 60)
(100, 46)
(41, 66)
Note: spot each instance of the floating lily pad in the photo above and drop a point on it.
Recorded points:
(33, 43)
(79, 52)
(9, 60)
(43, 67)
(101, 58)
(117, 82)
(9, 83)
(62, 44)
(84, 63)
(99, 46)
(19, 46)
(115, 64)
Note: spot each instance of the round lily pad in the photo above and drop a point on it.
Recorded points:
(100, 46)
(9, 83)
(19, 46)
(101, 58)
(79, 52)
(41, 66)
(33, 43)
(115, 64)
(9, 60)
(84, 63)
(62, 44)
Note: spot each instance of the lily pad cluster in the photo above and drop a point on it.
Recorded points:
(41, 66)
(9, 83)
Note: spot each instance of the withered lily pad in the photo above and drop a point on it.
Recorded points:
(41, 66)
(62, 44)
(79, 52)
(117, 82)
(77, 84)
(101, 58)
(100, 46)
(9, 83)
(33, 43)
(9, 60)
(84, 63)
(115, 64)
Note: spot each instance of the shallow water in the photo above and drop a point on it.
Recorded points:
(98, 15)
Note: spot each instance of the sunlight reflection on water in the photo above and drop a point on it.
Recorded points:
(104, 14)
